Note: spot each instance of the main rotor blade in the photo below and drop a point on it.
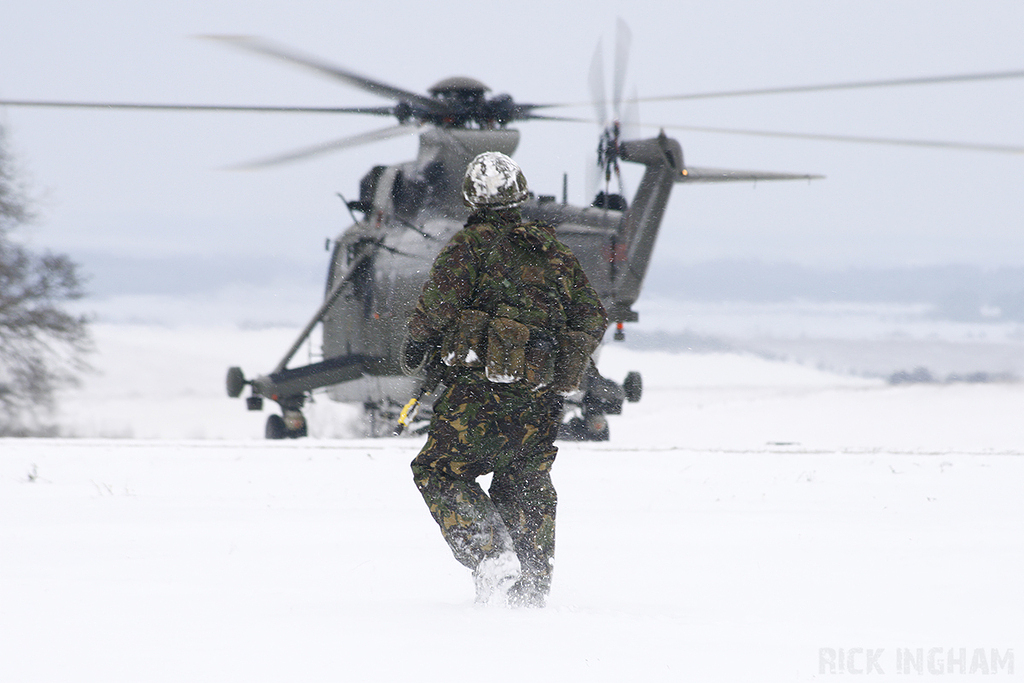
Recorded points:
(623, 39)
(925, 80)
(542, 117)
(376, 111)
(940, 144)
(370, 85)
(333, 146)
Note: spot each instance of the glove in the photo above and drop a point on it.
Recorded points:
(414, 354)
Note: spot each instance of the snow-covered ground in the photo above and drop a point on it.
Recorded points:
(749, 519)
(154, 381)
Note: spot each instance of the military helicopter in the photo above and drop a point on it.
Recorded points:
(406, 212)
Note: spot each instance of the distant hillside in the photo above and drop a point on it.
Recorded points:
(957, 292)
(177, 275)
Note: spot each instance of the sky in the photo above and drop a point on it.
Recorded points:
(121, 188)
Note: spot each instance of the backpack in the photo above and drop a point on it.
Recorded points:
(515, 326)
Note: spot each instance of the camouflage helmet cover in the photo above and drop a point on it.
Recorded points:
(494, 180)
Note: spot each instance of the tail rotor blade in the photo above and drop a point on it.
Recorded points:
(623, 40)
(596, 83)
(631, 117)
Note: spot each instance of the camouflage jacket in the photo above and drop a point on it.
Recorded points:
(500, 265)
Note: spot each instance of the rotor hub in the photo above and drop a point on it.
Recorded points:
(458, 88)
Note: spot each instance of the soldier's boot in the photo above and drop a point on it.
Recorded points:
(530, 590)
(495, 576)
(527, 501)
(498, 568)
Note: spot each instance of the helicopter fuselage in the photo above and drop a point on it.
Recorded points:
(410, 211)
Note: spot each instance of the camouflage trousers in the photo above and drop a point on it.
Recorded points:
(508, 430)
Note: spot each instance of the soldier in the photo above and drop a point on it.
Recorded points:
(511, 315)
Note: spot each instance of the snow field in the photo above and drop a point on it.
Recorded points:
(154, 382)
(316, 560)
(745, 515)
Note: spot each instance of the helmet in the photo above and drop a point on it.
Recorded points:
(494, 180)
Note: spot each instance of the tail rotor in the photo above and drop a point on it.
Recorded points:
(609, 146)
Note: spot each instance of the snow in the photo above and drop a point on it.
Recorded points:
(747, 516)
(493, 173)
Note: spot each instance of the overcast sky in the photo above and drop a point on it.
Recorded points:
(135, 184)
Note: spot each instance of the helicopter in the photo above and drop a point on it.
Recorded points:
(406, 212)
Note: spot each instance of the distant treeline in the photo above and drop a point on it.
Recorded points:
(956, 292)
(178, 275)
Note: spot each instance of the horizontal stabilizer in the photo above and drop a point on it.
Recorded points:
(722, 175)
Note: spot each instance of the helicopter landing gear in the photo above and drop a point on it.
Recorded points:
(235, 382)
(590, 428)
(291, 425)
(275, 427)
(598, 398)
(377, 420)
(633, 386)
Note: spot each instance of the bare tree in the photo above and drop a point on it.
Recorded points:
(42, 346)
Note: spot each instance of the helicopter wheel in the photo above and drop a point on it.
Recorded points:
(275, 427)
(591, 428)
(235, 382)
(597, 428)
(633, 386)
(292, 425)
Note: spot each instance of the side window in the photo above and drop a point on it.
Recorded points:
(368, 186)
(407, 194)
